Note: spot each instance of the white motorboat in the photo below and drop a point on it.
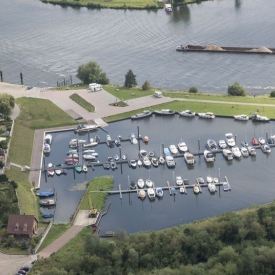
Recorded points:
(145, 113)
(123, 157)
(215, 180)
(47, 148)
(245, 144)
(242, 117)
(251, 150)
(227, 154)
(166, 112)
(222, 144)
(140, 183)
(133, 138)
(168, 8)
(261, 140)
(244, 151)
(47, 202)
(208, 155)
(87, 151)
(206, 115)
(85, 168)
(182, 190)
(173, 149)
(236, 152)
(161, 160)
(154, 161)
(196, 188)
(200, 180)
(58, 172)
(189, 158)
(76, 141)
(211, 145)
(146, 161)
(266, 149)
(133, 163)
(209, 179)
(257, 118)
(81, 128)
(179, 180)
(151, 193)
(108, 140)
(159, 192)
(212, 187)
(170, 162)
(151, 154)
(148, 183)
(187, 113)
(89, 156)
(116, 157)
(48, 139)
(182, 147)
(229, 138)
(74, 156)
(139, 162)
(50, 171)
(91, 144)
(143, 153)
(142, 194)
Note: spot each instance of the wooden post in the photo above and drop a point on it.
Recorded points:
(1, 76)
(266, 136)
(21, 78)
(235, 139)
(199, 146)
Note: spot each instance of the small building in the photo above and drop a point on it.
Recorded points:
(22, 226)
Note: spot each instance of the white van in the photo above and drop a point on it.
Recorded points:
(157, 94)
(94, 87)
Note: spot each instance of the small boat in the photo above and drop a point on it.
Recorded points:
(182, 190)
(81, 128)
(145, 113)
(140, 183)
(108, 140)
(206, 115)
(255, 141)
(72, 151)
(132, 185)
(116, 157)
(173, 149)
(139, 162)
(88, 151)
(58, 171)
(215, 180)
(132, 163)
(244, 151)
(182, 147)
(46, 148)
(70, 161)
(266, 149)
(146, 162)
(200, 180)
(145, 139)
(166, 112)
(76, 141)
(89, 156)
(236, 152)
(85, 168)
(50, 171)
(97, 138)
(257, 118)
(91, 144)
(133, 138)
(222, 144)
(179, 180)
(170, 162)
(212, 187)
(149, 183)
(211, 145)
(251, 150)
(47, 215)
(151, 193)
(161, 160)
(168, 8)
(113, 165)
(173, 191)
(142, 194)
(142, 153)
(123, 157)
(78, 169)
(271, 140)
(74, 156)
(187, 113)
(155, 162)
(151, 154)
(244, 144)
(159, 192)
(189, 158)
(44, 194)
(47, 202)
(261, 140)
(242, 117)
(229, 138)
(196, 188)
(208, 155)
(117, 143)
(106, 165)
(64, 171)
(209, 179)
(48, 139)
(227, 154)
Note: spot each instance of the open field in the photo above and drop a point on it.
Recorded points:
(82, 102)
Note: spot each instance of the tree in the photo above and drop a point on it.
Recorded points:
(236, 89)
(130, 80)
(146, 85)
(272, 94)
(91, 73)
(193, 90)
(6, 104)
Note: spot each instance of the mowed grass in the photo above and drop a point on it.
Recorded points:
(82, 102)
(97, 198)
(38, 113)
(199, 107)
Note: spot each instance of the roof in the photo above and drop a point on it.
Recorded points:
(21, 224)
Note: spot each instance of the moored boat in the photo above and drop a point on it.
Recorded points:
(189, 158)
(187, 113)
(133, 185)
(106, 165)
(159, 192)
(145, 113)
(140, 183)
(255, 141)
(242, 117)
(229, 138)
(142, 194)
(244, 151)
(133, 138)
(161, 160)
(236, 152)
(261, 140)
(132, 163)
(85, 168)
(50, 170)
(165, 112)
(196, 188)
(170, 162)
(78, 169)
(46, 148)
(149, 183)
(258, 118)
(251, 151)
(211, 145)
(222, 144)
(146, 162)
(173, 149)
(212, 187)
(76, 141)
(47, 202)
(48, 139)
(151, 193)
(154, 161)
(182, 147)
(47, 215)
(145, 139)
(227, 154)
(266, 149)
(179, 180)
(206, 115)
(208, 155)
(81, 128)
(44, 194)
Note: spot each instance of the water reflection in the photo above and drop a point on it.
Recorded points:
(238, 4)
(181, 13)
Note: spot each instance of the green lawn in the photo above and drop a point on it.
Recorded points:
(82, 102)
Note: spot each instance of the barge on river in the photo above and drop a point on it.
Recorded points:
(218, 49)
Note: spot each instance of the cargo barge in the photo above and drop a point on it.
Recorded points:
(218, 49)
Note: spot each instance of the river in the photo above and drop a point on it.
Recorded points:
(47, 43)
(251, 179)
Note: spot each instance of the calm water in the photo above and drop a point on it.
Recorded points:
(251, 178)
(47, 43)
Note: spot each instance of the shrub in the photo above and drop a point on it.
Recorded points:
(193, 90)
(146, 86)
(236, 90)
(272, 94)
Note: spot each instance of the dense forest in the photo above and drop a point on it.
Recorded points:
(231, 243)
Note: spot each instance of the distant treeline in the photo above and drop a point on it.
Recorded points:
(231, 243)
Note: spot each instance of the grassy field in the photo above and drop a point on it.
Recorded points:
(82, 102)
